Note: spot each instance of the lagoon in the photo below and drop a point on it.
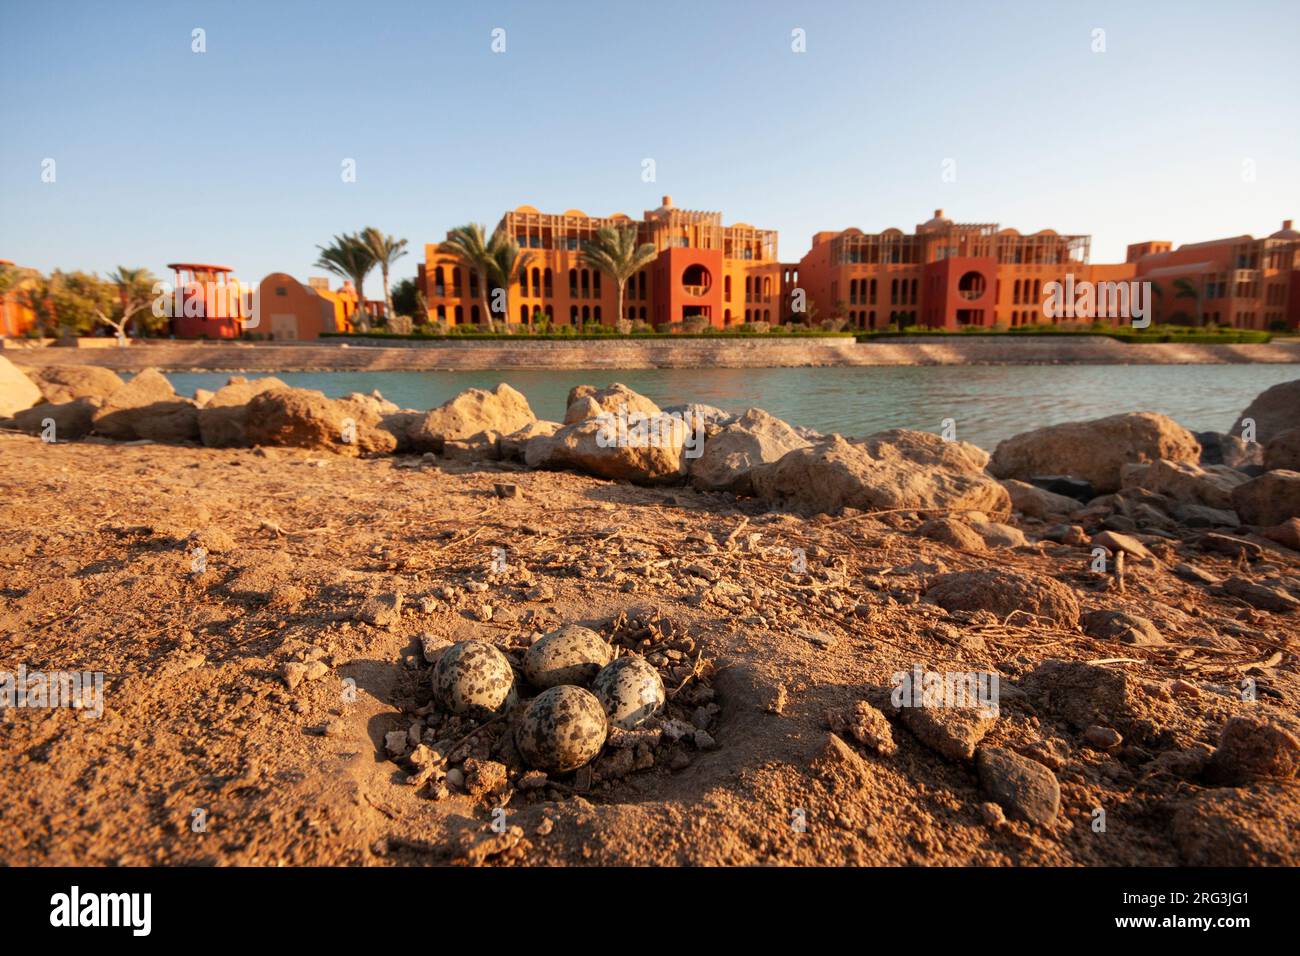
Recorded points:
(987, 402)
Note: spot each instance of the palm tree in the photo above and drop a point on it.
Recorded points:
(1187, 290)
(505, 262)
(615, 252)
(386, 250)
(349, 257)
(470, 244)
(135, 293)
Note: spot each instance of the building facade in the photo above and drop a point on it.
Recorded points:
(944, 275)
(1243, 282)
(290, 311)
(705, 273)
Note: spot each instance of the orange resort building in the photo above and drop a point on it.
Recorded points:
(962, 275)
(705, 272)
(943, 275)
(1243, 282)
(290, 311)
(16, 316)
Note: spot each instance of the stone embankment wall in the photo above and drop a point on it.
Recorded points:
(387, 355)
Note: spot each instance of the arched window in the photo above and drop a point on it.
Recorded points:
(586, 284)
(767, 288)
(726, 316)
(586, 314)
(546, 277)
(595, 313)
(460, 314)
(473, 282)
(767, 315)
(726, 290)
(523, 315)
(455, 282)
(573, 283)
(439, 283)
(595, 283)
(573, 315)
(537, 283)
(643, 313)
(474, 315)
(442, 313)
(749, 288)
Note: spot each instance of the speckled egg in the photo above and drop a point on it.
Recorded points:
(475, 679)
(561, 729)
(571, 655)
(630, 690)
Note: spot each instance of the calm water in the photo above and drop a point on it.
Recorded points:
(989, 403)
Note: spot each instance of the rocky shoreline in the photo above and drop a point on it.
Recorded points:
(386, 355)
(1129, 587)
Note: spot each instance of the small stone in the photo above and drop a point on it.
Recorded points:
(819, 639)
(867, 725)
(456, 777)
(432, 646)
(395, 742)
(506, 490)
(1227, 544)
(1260, 596)
(532, 780)
(1121, 626)
(1254, 748)
(1114, 541)
(615, 765)
(1102, 738)
(423, 755)
(992, 815)
(777, 701)
(294, 673)
(704, 740)
(950, 732)
(1194, 574)
(316, 670)
(1025, 789)
(383, 610)
(675, 729)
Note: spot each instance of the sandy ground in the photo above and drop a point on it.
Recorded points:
(204, 755)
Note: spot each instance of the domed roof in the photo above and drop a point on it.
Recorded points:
(1286, 232)
(940, 221)
(576, 212)
(525, 208)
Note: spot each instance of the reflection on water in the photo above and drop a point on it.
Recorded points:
(989, 403)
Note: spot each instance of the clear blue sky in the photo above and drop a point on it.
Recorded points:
(234, 155)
